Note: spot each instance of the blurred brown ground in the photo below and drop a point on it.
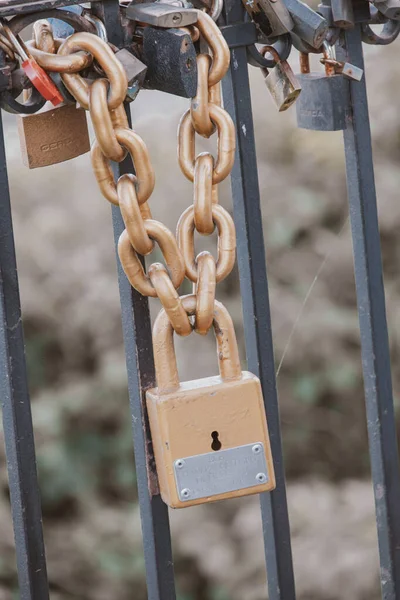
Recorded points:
(77, 373)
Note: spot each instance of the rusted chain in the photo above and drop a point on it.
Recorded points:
(114, 140)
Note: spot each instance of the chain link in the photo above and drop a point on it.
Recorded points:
(104, 98)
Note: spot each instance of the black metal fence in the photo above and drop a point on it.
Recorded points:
(25, 497)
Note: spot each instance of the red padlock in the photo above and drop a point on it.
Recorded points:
(42, 81)
(34, 72)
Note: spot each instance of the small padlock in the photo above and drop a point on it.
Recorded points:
(170, 56)
(160, 14)
(38, 76)
(271, 17)
(309, 26)
(344, 68)
(210, 436)
(281, 82)
(135, 72)
(342, 13)
(324, 102)
(53, 135)
(389, 8)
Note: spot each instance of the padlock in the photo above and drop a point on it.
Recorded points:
(389, 8)
(53, 135)
(281, 82)
(210, 436)
(342, 13)
(170, 57)
(36, 74)
(309, 26)
(324, 102)
(159, 14)
(344, 68)
(271, 17)
(135, 72)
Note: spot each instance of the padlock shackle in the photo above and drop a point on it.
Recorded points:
(304, 63)
(271, 50)
(164, 349)
(328, 53)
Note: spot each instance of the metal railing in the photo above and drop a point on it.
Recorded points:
(18, 430)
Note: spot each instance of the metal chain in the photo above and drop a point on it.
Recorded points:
(104, 100)
(204, 117)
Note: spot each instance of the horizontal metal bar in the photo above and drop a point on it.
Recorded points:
(240, 34)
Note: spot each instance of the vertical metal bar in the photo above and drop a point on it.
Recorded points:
(140, 367)
(139, 361)
(17, 418)
(373, 327)
(256, 310)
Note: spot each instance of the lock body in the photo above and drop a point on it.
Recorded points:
(309, 26)
(389, 8)
(283, 85)
(271, 17)
(170, 57)
(323, 104)
(53, 135)
(159, 14)
(210, 440)
(343, 14)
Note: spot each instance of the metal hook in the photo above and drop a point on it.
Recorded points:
(388, 34)
(282, 46)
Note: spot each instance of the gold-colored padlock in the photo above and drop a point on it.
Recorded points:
(210, 436)
(281, 82)
(53, 135)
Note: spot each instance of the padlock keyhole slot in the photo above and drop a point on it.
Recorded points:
(216, 444)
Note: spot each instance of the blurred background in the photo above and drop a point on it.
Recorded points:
(77, 372)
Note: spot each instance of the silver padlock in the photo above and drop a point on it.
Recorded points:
(281, 82)
(309, 26)
(160, 14)
(324, 102)
(348, 70)
(342, 14)
(135, 72)
(389, 8)
(271, 17)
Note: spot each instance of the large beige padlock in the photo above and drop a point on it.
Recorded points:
(210, 436)
(53, 135)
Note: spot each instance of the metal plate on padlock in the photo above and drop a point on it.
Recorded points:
(220, 472)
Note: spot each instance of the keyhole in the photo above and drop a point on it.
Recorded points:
(216, 444)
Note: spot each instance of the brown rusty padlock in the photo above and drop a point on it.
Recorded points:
(210, 436)
(53, 135)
